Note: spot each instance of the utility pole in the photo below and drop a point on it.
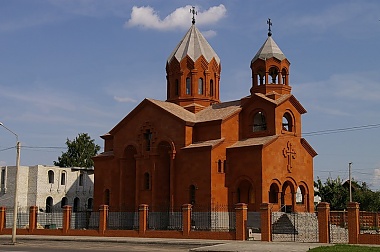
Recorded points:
(18, 148)
(349, 175)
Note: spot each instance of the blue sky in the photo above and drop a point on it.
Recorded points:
(75, 66)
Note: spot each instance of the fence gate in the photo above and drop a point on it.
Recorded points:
(338, 227)
(296, 227)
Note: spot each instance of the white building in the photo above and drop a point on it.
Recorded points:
(47, 187)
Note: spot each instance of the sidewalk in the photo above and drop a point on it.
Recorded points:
(204, 245)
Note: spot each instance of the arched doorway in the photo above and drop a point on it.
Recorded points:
(246, 194)
(273, 193)
(287, 197)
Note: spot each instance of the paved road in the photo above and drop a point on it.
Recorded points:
(80, 244)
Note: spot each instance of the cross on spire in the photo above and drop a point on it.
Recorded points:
(269, 29)
(192, 10)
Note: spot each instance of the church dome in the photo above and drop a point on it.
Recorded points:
(268, 50)
(193, 45)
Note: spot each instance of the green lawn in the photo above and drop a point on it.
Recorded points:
(345, 248)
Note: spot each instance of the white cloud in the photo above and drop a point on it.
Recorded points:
(124, 99)
(149, 18)
(209, 33)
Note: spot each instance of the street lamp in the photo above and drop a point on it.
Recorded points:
(18, 147)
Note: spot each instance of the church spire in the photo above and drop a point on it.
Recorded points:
(193, 71)
(270, 68)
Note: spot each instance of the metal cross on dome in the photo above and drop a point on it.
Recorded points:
(290, 154)
(192, 10)
(269, 29)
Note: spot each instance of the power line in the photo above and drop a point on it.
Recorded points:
(341, 130)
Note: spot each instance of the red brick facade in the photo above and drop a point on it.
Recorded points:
(194, 149)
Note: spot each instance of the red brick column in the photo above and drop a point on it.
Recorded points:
(241, 221)
(143, 218)
(103, 213)
(186, 219)
(353, 223)
(66, 219)
(266, 224)
(32, 218)
(2, 218)
(323, 222)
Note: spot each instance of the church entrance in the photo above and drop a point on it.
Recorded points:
(287, 197)
(246, 194)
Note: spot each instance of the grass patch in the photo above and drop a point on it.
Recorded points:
(345, 248)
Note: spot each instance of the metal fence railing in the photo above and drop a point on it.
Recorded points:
(215, 218)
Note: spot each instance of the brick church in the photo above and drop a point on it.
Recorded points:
(193, 148)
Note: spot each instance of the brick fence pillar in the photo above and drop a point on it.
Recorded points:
(353, 222)
(2, 219)
(241, 221)
(143, 218)
(66, 218)
(266, 223)
(103, 214)
(32, 218)
(186, 219)
(323, 222)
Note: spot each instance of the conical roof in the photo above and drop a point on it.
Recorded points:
(193, 45)
(268, 50)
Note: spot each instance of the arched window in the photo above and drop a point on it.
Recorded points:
(200, 86)
(260, 78)
(284, 75)
(273, 193)
(287, 122)
(259, 122)
(146, 181)
(90, 203)
(51, 177)
(211, 88)
(76, 205)
(176, 87)
(192, 189)
(49, 204)
(273, 73)
(63, 178)
(188, 86)
(219, 166)
(107, 197)
(64, 202)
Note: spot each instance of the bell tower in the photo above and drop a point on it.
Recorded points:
(270, 68)
(193, 72)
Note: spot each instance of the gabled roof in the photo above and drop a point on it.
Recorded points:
(282, 99)
(214, 112)
(268, 50)
(218, 111)
(256, 141)
(175, 109)
(193, 45)
(209, 143)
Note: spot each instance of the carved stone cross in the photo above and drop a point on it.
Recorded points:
(290, 154)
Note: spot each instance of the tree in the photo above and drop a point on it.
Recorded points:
(79, 152)
(333, 192)
(337, 194)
